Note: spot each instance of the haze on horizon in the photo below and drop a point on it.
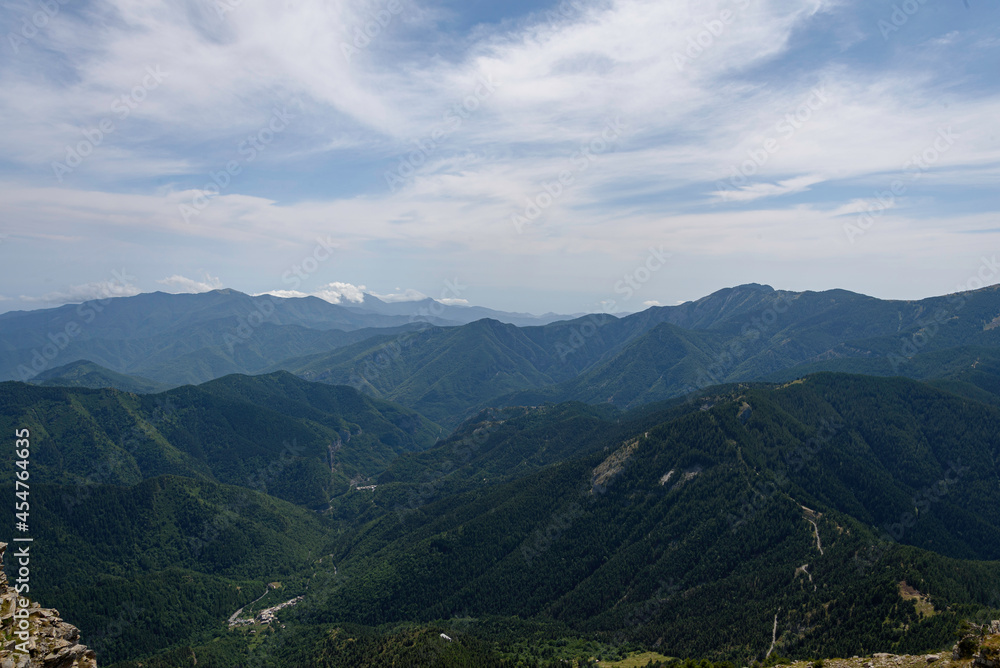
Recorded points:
(538, 154)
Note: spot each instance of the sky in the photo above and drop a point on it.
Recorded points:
(583, 155)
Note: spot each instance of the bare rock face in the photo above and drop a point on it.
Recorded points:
(50, 642)
(989, 650)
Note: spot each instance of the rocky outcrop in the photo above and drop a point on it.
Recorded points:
(50, 642)
(978, 648)
(989, 650)
(981, 644)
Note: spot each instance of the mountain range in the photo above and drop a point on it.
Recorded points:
(182, 338)
(450, 372)
(754, 475)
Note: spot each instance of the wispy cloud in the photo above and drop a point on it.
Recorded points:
(757, 190)
(409, 295)
(88, 291)
(695, 115)
(184, 284)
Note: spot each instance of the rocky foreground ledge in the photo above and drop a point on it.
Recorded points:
(979, 648)
(50, 643)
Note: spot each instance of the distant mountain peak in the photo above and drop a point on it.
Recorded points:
(757, 287)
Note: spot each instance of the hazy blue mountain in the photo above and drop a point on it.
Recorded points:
(427, 309)
(191, 338)
(738, 334)
(177, 339)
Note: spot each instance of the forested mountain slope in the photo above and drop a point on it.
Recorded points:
(818, 503)
(304, 448)
(746, 333)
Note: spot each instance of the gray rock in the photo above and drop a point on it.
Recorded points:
(52, 642)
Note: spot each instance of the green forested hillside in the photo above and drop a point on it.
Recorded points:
(747, 333)
(87, 374)
(852, 513)
(440, 373)
(140, 568)
(817, 503)
(304, 447)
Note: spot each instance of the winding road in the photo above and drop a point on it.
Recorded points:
(236, 615)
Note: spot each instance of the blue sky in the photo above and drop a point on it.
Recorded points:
(538, 153)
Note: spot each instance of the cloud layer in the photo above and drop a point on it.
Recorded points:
(548, 151)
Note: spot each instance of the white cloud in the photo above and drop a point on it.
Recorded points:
(453, 301)
(408, 295)
(858, 206)
(185, 284)
(758, 190)
(338, 293)
(651, 302)
(85, 292)
(284, 294)
(559, 82)
(335, 293)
